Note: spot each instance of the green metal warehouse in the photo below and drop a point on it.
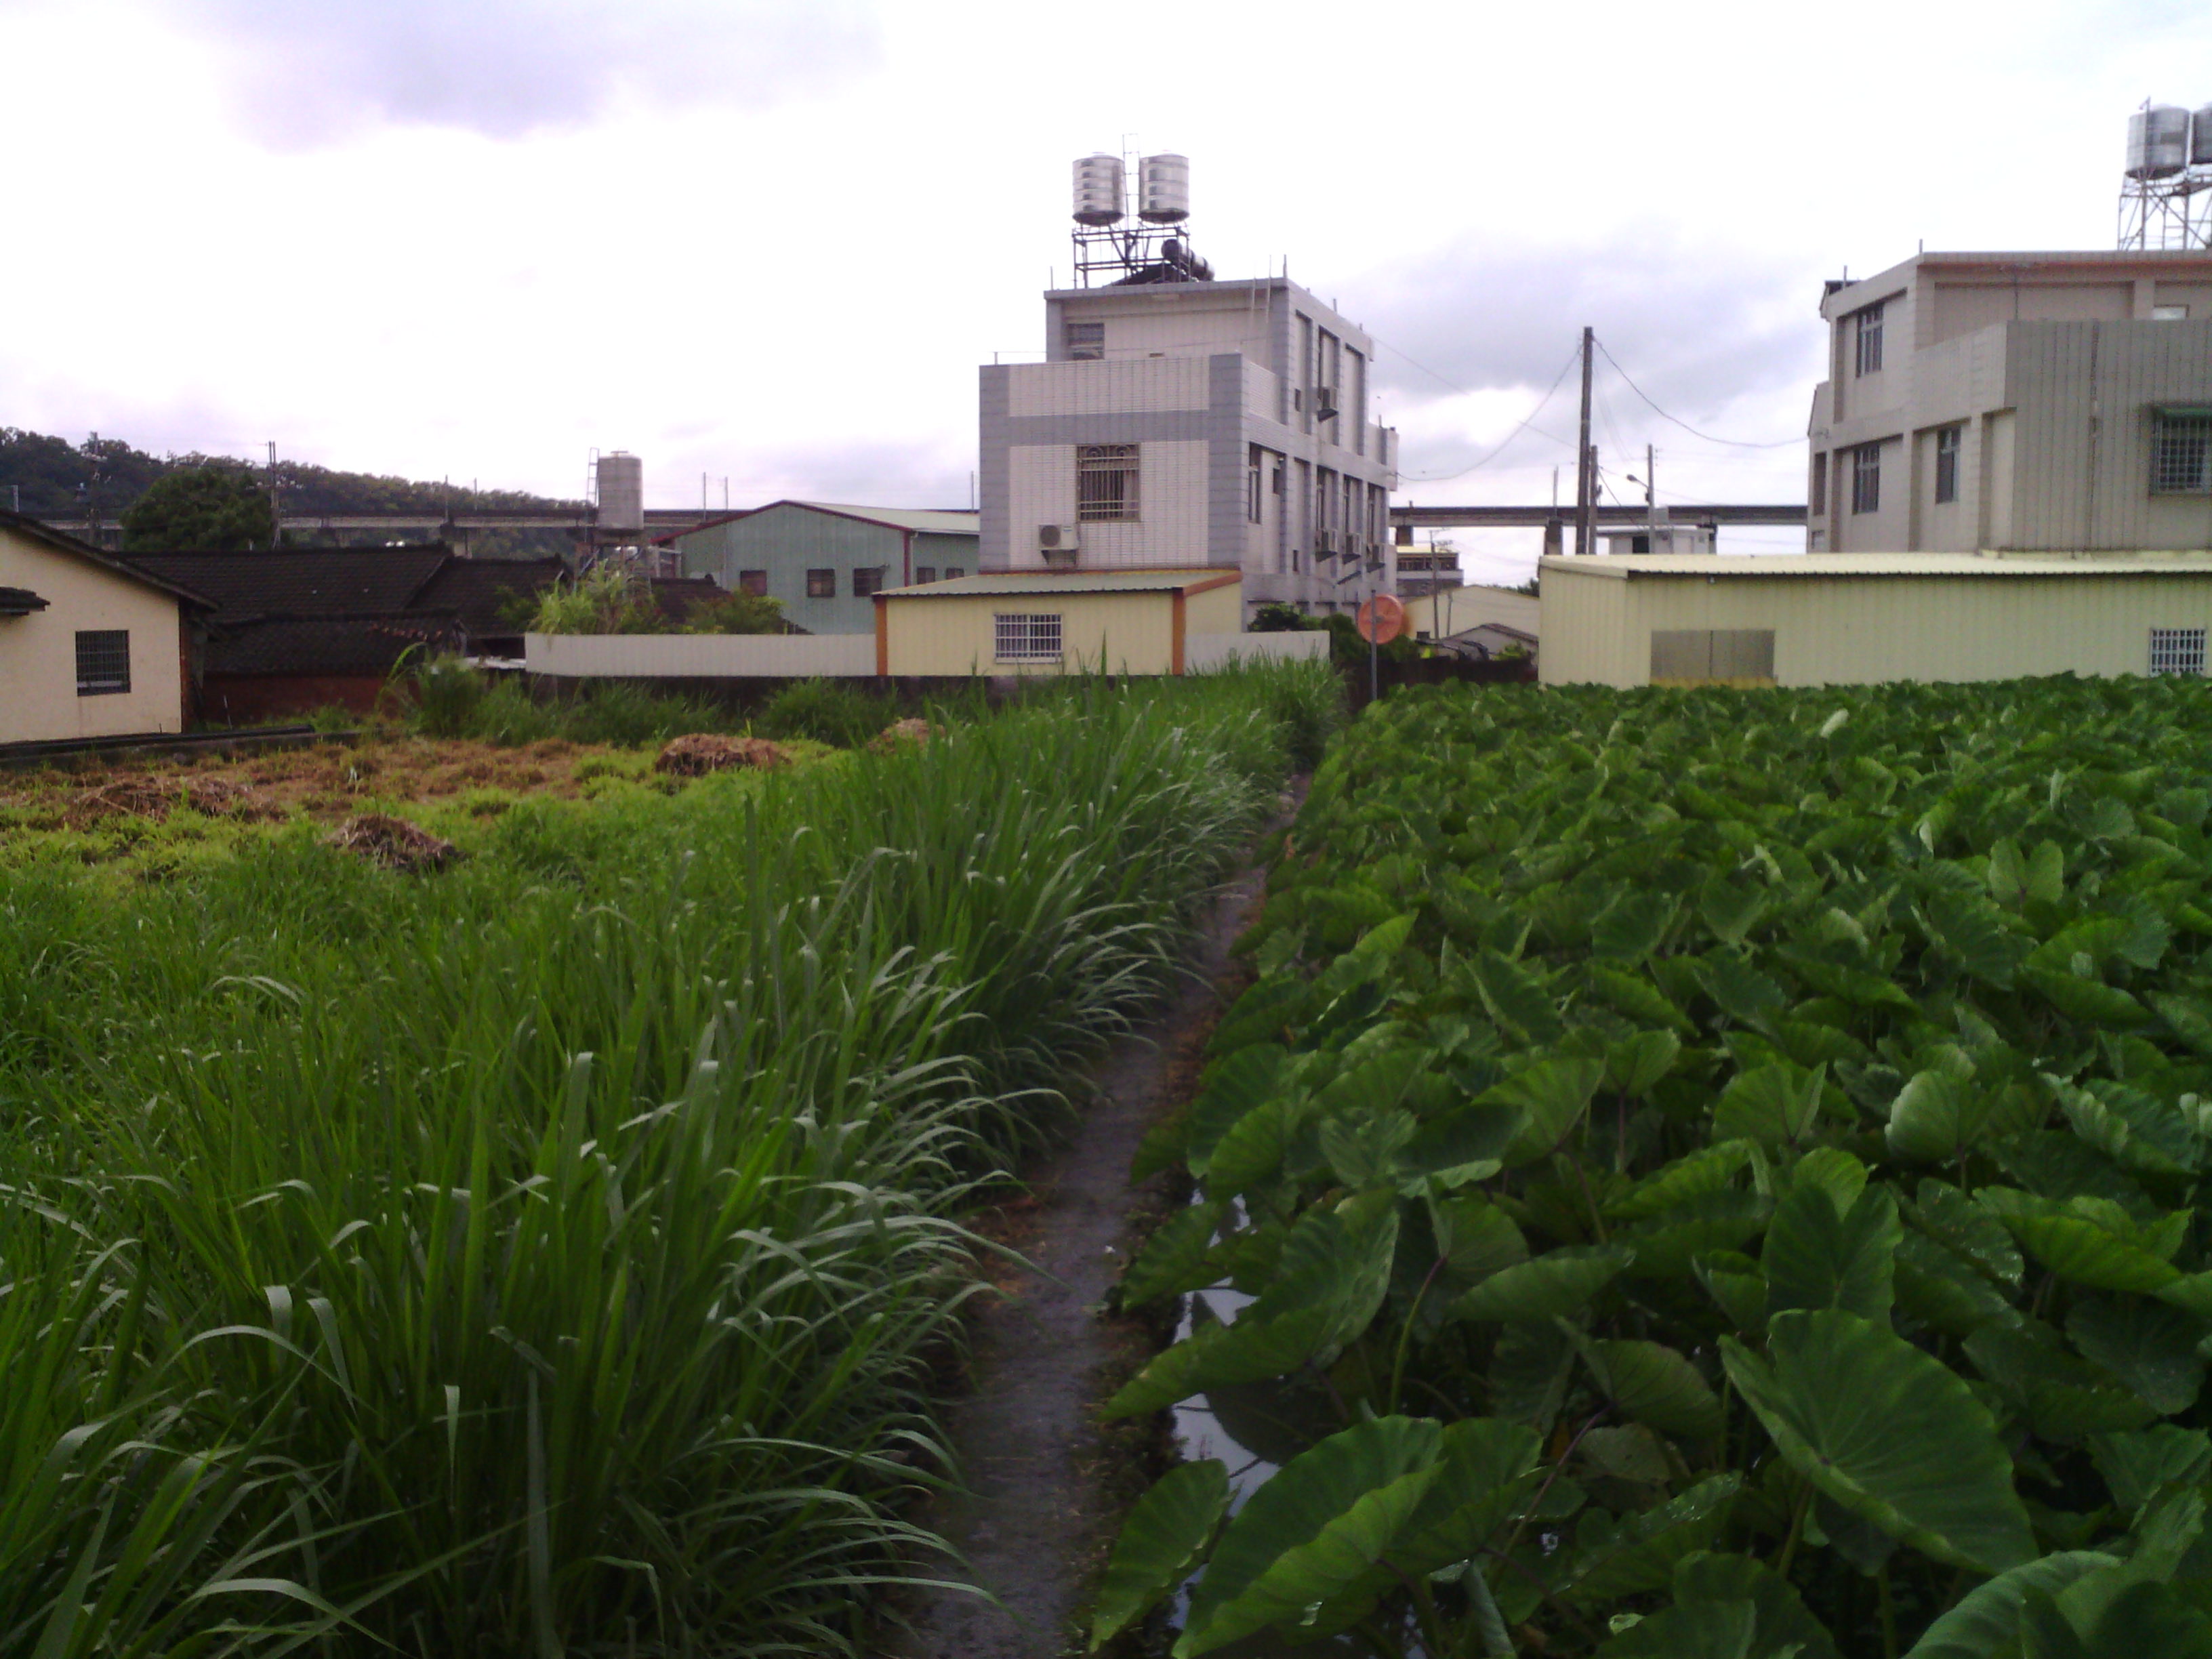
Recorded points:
(826, 561)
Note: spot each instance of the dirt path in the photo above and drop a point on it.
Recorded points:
(1042, 1472)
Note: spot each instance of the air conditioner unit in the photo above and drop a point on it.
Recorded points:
(1324, 543)
(1324, 402)
(1060, 544)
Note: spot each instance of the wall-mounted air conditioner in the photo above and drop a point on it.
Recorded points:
(1059, 543)
(1324, 402)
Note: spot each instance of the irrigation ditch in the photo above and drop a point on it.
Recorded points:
(1046, 1482)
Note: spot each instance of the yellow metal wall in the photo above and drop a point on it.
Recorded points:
(38, 653)
(1217, 610)
(1117, 633)
(1859, 630)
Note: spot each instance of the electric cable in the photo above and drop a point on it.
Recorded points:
(1733, 443)
(1527, 422)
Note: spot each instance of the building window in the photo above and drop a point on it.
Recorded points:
(2181, 453)
(1275, 478)
(103, 661)
(1256, 461)
(953, 573)
(1947, 465)
(1866, 478)
(1870, 341)
(1026, 639)
(2169, 313)
(1817, 507)
(1086, 342)
(1105, 482)
(2177, 651)
(821, 584)
(924, 573)
(753, 581)
(865, 582)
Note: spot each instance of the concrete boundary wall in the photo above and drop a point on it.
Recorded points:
(1205, 651)
(699, 656)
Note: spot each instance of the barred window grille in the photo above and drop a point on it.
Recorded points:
(1947, 465)
(1866, 478)
(822, 584)
(754, 582)
(865, 582)
(1105, 483)
(2177, 651)
(1869, 341)
(1026, 638)
(2181, 455)
(924, 574)
(103, 661)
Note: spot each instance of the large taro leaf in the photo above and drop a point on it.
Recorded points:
(2149, 1346)
(1656, 1385)
(1936, 1116)
(1985, 1623)
(1634, 1065)
(1974, 933)
(1232, 1086)
(1709, 1169)
(1515, 997)
(1784, 1623)
(1548, 1286)
(2135, 1129)
(1553, 1094)
(1313, 1532)
(1632, 927)
(2090, 1001)
(2062, 1397)
(1160, 1543)
(1640, 1551)
(1775, 1105)
(1818, 1258)
(1249, 1154)
(2090, 1252)
(1175, 1259)
(1332, 1276)
(1889, 1432)
(2137, 1620)
(1704, 1630)
(2135, 1465)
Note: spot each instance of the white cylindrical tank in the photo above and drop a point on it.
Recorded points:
(2200, 137)
(2157, 142)
(621, 491)
(1098, 189)
(1163, 189)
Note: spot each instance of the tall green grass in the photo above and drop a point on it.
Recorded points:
(553, 1255)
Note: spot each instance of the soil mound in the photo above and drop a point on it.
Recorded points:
(698, 753)
(156, 798)
(393, 842)
(901, 733)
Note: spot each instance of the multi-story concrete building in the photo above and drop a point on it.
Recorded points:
(1177, 424)
(2017, 402)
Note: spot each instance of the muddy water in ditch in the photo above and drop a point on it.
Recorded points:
(1044, 1483)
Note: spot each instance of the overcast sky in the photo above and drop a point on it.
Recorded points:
(771, 240)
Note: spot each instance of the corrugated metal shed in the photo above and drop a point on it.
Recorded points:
(1802, 566)
(929, 519)
(1030, 584)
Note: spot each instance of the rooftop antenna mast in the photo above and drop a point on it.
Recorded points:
(1111, 251)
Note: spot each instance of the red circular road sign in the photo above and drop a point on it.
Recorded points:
(1381, 619)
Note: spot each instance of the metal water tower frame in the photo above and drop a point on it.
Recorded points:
(1156, 247)
(2165, 189)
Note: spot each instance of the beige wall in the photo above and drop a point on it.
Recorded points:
(38, 653)
(1847, 630)
(1217, 610)
(956, 635)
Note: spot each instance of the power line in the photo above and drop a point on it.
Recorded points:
(1527, 422)
(1733, 443)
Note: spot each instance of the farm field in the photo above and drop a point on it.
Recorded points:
(559, 1252)
(1707, 1174)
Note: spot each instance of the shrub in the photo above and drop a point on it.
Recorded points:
(828, 711)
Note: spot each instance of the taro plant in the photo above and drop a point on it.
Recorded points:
(1713, 1173)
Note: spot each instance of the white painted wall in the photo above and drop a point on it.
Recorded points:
(699, 656)
(1170, 530)
(38, 700)
(1146, 385)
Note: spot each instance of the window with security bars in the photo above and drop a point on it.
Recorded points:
(865, 582)
(1947, 465)
(103, 661)
(1868, 341)
(754, 582)
(1105, 483)
(2177, 651)
(1025, 638)
(924, 574)
(821, 584)
(1866, 478)
(2181, 454)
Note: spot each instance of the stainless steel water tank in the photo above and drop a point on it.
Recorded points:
(2200, 137)
(621, 491)
(1098, 189)
(2157, 142)
(1163, 189)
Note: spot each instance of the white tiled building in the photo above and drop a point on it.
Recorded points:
(1180, 424)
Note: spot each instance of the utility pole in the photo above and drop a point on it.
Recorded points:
(276, 510)
(1651, 503)
(1585, 467)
